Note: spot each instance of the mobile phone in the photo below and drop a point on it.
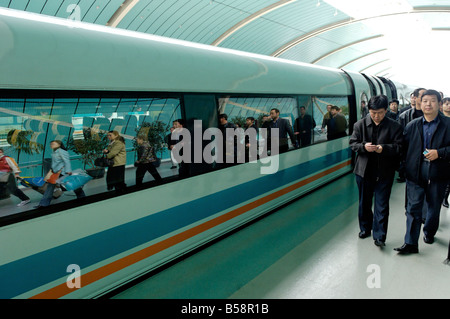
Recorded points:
(426, 152)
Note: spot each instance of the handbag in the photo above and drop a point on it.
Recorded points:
(52, 177)
(104, 162)
(4, 177)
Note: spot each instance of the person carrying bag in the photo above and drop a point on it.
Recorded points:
(9, 170)
(60, 166)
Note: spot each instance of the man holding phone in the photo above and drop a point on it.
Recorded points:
(427, 169)
(377, 141)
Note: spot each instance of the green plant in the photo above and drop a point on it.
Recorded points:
(90, 148)
(239, 120)
(155, 133)
(22, 142)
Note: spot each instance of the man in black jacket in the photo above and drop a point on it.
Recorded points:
(377, 140)
(284, 128)
(427, 168)
(304, 126)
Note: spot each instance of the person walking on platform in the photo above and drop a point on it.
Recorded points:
(427, 168)
(115, 177)
(446, 111)
(9, 171)
(377, 141)
(146, 160)
(407, 116)
(60, 165)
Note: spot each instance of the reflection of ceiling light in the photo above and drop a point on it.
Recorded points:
(360, 9)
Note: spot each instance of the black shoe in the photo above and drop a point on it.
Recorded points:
(407, 249)
(379, 243)
(401, 180)
(364, 234)
(428, 239)
(445, 203)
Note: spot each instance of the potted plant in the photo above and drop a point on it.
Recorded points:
(90, 148)
(155, 132)
(21, 141)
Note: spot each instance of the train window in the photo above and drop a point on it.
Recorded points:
(305, 124)
(331, 114)
(364, 107)
(27, 126)
(238, 109)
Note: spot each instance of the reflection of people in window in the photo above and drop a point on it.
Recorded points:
(326, 117)
(364, 109)
(303, 127)
(337, 125)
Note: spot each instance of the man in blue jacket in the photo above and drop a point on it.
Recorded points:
(427, 169)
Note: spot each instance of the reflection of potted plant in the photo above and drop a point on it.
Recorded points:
(90, 148)
(239, 120)
(21, 141)
(155, 132)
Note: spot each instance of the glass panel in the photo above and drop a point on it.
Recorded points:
(333, 113)
(364, 105)
(239, 109)
(27, 127)
(305, 124)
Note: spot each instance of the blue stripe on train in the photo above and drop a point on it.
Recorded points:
(34, 271)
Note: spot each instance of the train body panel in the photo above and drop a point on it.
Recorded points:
(67, 56)
(120, 242)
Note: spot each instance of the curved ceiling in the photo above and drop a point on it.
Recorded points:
(380, 37)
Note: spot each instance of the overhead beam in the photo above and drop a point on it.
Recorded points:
(123, 10)
(361, 57)
(348, 21)
(345, 47)
(375, 64)
(249, 19)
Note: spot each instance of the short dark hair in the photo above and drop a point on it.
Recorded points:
(394, 101)
(223, 116)
(433, 92)
(276, 110)
(334, 107)
(250, 118)
(181, 122)
(378, 102)
(446, 99)
(416, 91)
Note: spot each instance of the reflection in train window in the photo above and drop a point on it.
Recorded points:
(27, 126)
(364, 107)
(331, 113)
(238, 109)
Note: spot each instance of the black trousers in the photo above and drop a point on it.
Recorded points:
(11, 185)
(371, 188)
(115, 178)
(144, 168)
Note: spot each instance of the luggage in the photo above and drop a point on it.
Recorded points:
(74, 182)
(39, 185)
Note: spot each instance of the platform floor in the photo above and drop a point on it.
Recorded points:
(307, 250)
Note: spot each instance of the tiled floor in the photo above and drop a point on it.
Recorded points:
(309, 249)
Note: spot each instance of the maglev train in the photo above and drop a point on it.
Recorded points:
(86, 249)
